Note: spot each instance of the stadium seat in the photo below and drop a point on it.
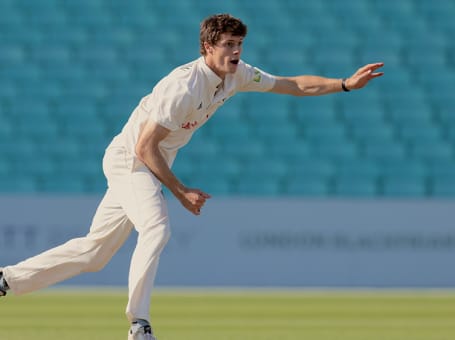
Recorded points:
(244, 149)
(404, 168)
(350, 186)
(440, 77)
(64, 184)
(398, 80)
(231, 132)
(261, 107)
(202, 145)
(6, 130)
(335, 134)
(358, 168)
(425, 56)
(289, 150)
(281, 132)
(79, 167)
(356, 115)
(362, 133)
(13, 150)
(384, 150)
(256, 186)
(5, 169)
(38, 131)
(404, 187)
(314, 110)
(429, 150)
(442, 186)
(12, 54)
(307, 186)
(18, 184)
(311, 167)
(36, 167)
(95, 184)
(335, 151)
(66, 148)
(273, 168)
(21, 72)
(212, 183)
(442, 177)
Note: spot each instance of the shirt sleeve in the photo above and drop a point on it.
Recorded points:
(169, 104)
(253, 79)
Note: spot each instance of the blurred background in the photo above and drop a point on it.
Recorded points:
(71, 72)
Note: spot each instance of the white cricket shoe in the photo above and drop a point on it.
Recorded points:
(3, 285)
(140, 332)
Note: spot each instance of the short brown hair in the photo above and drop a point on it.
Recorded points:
(215, 25)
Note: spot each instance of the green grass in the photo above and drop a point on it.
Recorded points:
(236, 315)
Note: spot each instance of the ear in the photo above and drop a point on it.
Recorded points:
(208, 47)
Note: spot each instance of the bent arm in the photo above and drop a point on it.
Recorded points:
(308, 85)
(148, 151)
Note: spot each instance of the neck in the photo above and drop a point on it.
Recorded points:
(211, 66)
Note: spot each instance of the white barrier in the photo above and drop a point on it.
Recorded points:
(261, 242)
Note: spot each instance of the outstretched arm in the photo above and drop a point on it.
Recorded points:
(307, 85)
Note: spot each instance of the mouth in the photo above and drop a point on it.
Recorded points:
(234, 61)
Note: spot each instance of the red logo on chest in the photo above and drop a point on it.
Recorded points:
(189, 125)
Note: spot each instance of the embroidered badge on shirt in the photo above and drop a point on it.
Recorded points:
(257, 76)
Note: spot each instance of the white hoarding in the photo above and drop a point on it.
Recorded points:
(261, 242)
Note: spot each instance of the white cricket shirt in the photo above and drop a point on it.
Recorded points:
(185, 100)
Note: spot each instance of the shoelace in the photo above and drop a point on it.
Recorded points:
(147, 331)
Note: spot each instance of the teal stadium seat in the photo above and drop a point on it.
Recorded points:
(307, 186)
(442, 175)
(360, 168)
(443, 187)
(314, 111)
(384, 150)
(404, 187)
(64, 184)
(405, 178)
(256, 185)
(355, 187)
(18, 184)
(363, 134)
(301, 168)
(266, 168)
(288, 150)
(5, 169)
(357, 178)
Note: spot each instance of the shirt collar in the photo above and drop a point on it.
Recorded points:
(213, 79)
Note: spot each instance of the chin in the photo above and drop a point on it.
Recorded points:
(233, 69)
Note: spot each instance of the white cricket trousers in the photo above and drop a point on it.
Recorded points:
(133, 198)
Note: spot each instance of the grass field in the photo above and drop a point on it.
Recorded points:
(234, 315)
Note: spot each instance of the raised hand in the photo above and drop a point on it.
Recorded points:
(363, 75)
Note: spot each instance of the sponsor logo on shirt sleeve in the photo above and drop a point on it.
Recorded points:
(257, 76)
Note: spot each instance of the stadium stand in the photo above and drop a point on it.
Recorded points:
(72, 71)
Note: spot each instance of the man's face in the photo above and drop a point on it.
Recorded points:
(224, 57)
